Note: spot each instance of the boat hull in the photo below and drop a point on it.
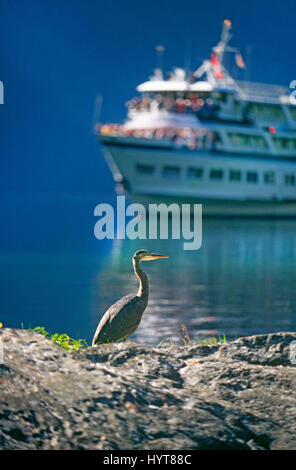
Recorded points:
(218, 197)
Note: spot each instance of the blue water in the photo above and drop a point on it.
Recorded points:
(55, 273)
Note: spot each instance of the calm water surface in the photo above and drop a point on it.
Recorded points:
(54, 273)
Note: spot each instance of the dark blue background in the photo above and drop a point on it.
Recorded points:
(56, 55)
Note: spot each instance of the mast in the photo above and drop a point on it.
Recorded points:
(224, 40)
(223, 77)
(97, 110)
(159, 61)
(218, 51)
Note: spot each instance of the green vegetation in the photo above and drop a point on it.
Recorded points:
(62, 340)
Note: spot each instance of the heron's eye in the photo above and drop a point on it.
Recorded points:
(140, 253)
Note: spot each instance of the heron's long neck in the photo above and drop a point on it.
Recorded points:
(143, 287)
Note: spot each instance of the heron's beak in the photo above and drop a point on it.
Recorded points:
(153, 256)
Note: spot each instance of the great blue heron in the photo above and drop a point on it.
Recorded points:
(124, 317)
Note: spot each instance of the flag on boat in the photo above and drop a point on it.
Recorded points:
(216, 66)
(239, 61)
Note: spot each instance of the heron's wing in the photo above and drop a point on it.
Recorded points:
(120, 320)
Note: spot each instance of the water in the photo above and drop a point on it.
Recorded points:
(54, 273)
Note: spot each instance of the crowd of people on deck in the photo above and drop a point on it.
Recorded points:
(204, 108)
(181, 137)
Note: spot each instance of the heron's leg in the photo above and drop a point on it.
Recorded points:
(125, 338)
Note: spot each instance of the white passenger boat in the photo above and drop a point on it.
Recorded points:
(207, 138)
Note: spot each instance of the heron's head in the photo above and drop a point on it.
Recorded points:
(145, 255)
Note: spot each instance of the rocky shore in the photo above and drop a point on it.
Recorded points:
(238, 395)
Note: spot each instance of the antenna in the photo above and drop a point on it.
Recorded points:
(97, 109)
(159, 57)
(249, 48)
(188, 54)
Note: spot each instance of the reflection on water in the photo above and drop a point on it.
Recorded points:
(242, 280)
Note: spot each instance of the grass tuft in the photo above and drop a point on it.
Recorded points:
(187, 341)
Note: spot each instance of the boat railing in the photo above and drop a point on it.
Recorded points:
(201, 139)
(262, 92)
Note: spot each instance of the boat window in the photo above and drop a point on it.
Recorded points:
(171, 171)
(246, 140)
(237, 107)
(252, 176)
(269, 112)
(216, 174)
(269, 177)
(194, 173)
(145, 169)
(219, 96)
(235, 175)
(290, 179)
(284, 143)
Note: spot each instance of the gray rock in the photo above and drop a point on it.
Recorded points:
(239, 395)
